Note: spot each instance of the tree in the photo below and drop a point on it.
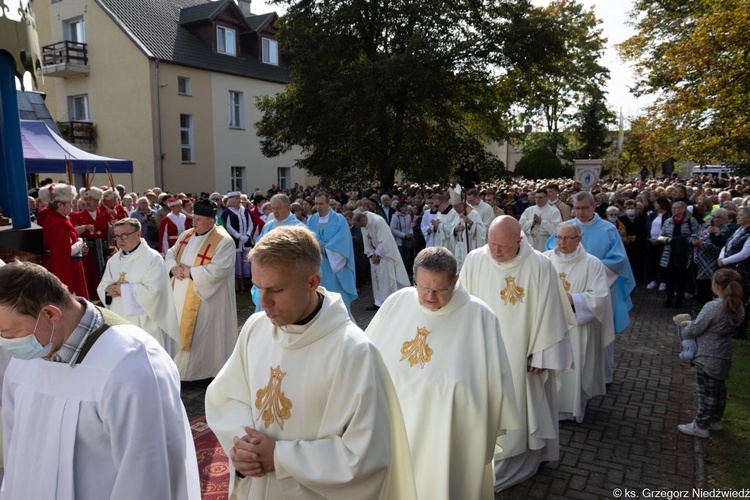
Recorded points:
(539, 163)
(553, 86)
(380, 86)
(694, 55)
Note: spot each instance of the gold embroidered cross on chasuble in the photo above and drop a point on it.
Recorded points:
(512, 293)
(417, 350)
(565, 283)
(273, 405)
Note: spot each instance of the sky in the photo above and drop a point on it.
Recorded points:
(613, 15)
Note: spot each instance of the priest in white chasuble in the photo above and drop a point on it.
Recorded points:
(584, 278)
(469, 234)
(304, 407)
(136, 286)
(444, 223)
(521, 286)
(540, 220)
(447, 360)
(386, 266)
(202, 267)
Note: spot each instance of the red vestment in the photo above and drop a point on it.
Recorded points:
(95, 261)
(58, 236)
(173, 232)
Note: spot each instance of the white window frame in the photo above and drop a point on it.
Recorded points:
(226, 41)
(236, 109)
(74, 30)
(73, 102)
(270, 51)
(187, 139)
(283, 177)
(187, 83)
(237, 179)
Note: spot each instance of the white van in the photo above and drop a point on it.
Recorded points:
(715, 171)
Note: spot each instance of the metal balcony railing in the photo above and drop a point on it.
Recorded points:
(65, 52)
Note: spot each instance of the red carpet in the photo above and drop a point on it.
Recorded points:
(212, 461)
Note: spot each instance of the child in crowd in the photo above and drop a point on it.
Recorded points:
(712, 331)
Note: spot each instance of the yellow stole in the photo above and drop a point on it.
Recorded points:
(192, 301)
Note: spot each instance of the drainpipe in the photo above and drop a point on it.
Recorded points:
(159, 152)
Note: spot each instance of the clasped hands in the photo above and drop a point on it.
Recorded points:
(252, 454)
(113, 290)
(180, 271)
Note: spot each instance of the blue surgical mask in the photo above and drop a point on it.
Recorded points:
(630, 212)
(612, 219)
(28, 347)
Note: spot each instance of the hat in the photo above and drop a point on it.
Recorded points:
(205, 208)
(93, 192)
(264, 205)
(455, 194)
(232, 194)
(173, 202)
(60, 192)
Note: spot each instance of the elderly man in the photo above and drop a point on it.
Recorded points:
(147, 217)
(386, 266)
(96, 219)
(602, 240)
(202, 266)
(91, 403)
(584, 278)
(136, 286)
(282, 214)
(109, 201)
(304, 408)
(540, 220)
(337, 267)
(447, 360)
(522, 288)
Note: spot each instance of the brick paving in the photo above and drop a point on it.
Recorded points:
(629, 438)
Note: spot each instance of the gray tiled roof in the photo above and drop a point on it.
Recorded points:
(259, 21)
(31, 106)
(154, 26)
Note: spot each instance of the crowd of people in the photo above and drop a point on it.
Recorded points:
(497, 307)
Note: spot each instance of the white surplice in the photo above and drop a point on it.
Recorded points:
(322, 392)
(112, 426)
(146, 299)
(527, 298)
(216, 324)
(538, 234)
(454, 385)
(469, 239)
(390, 274)
(585, 278)
(443, 233)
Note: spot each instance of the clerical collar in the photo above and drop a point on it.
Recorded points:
(447, 210)
(312, 315)
(555, 202)
(203, 234)
(569, 256)
(133, 250)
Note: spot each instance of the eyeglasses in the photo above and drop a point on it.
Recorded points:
(437, 291)
(125, 236)
(566, 238)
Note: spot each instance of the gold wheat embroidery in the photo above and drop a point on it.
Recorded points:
(511, 293)
(565, 283)
(417, 350)
(271, 402)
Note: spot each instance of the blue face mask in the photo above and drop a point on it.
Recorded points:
(28, 347)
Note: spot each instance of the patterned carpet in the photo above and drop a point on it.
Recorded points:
(212, 461)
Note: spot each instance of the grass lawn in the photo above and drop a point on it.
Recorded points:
(728, 452)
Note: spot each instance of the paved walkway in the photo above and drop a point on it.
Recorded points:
(629, 438)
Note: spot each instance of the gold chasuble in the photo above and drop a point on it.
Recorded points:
(192, 301)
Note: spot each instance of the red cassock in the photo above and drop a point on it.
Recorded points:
(172, 230)
(120, 213)
(58, 235)
(95, 261)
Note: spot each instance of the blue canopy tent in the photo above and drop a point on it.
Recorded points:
(46, 152)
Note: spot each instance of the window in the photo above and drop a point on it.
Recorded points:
(284, 175)
(183, 86)
(236, 109)
(270, 51)
(186, 138)
(238, 176)
(225, 43)
(74, 30)
(78, 108)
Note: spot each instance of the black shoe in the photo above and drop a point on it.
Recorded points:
(372, 308)
(668, 303)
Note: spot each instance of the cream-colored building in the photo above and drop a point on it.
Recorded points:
(170, 84)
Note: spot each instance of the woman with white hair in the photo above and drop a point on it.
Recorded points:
(63, 249)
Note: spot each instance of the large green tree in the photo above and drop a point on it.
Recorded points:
(590, 129)
(381, 86)
(694, 55)
(551, 88)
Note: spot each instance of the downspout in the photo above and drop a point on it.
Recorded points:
(159, 152)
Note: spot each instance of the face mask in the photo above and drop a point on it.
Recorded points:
(630, 212)
(612, 219)
(27, 347)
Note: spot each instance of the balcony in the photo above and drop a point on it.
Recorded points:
(80, 134)
(65, 59)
